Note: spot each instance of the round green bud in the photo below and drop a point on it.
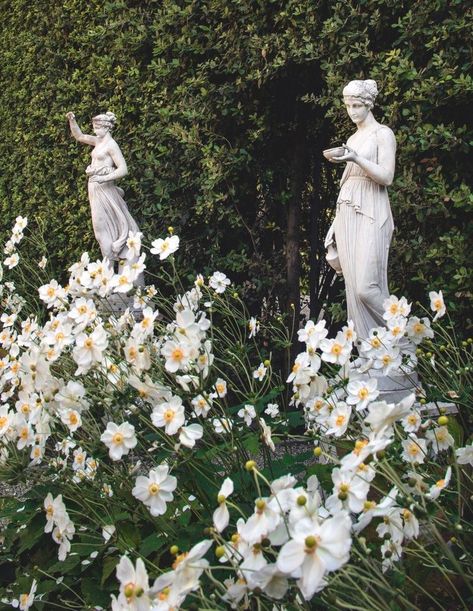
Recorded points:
(174, 549)
(442, 420)
(250, 465)
(267, 363)
(317, 451)
(220, 551)
(260, 504)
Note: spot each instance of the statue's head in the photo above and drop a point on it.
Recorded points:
(105, 121)
(365, 91)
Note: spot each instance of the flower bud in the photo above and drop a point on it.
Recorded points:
(260, 504)
(267, 363)
(220, 551)
(317, 451)
(250, 465)
(442, 420)
(174, 549)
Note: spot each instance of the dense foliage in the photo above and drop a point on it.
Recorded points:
(224, 109)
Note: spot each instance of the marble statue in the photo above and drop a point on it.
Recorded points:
(363, 224)
(111, 219)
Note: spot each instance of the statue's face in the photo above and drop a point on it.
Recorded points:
(99, 129)
(357, 111)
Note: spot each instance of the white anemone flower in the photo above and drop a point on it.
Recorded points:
(169, 414)
(219, 282)
(222, 425)
(253, 327)
(414, 449)
(177, 355)
(338, 419)
(411, 422)
(315, 550)
(465, 455)
(362, 392)
(221, 516)
(418, 329)
(259, 373)
(336, 350)
(155, 491)
(394, 308)
(383, 415)
(120, 439)
(190, 434)
(440, 439)
(248, 413)
(437, 304)
(134, 585)
(26, 600)
(165, 247)
(440, 485)
(12, 260)
(313, 333)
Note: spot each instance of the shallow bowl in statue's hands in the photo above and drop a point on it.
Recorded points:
(337, 151)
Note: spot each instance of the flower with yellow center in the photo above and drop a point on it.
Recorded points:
(155, 491)
(120, 439)
(169, 414)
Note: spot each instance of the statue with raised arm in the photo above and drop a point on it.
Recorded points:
(111, 219)
(363, 224)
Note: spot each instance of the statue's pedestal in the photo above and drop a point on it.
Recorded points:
(395, 387)
(116, 305)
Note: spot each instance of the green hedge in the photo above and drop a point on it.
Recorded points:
(224, 108)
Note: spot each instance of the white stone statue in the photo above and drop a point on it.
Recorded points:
(111, 219)
(363, 224)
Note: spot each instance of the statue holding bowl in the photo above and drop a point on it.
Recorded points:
(363, 224)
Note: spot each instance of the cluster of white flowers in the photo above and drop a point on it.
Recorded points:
(17, 235)
(168, 591)
(59, 524)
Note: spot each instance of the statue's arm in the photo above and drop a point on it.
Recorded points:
(77, 133)
(121, 168)
(383, 171)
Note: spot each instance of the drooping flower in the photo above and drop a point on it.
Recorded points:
(26, 600)
(221, 515)
(437, 304)
(155, 491)
(440, 485)
(120, 439)
(134, 585)
(315, 550)
(253, 327)
(465, 455)
(440, 439)
(188, 435)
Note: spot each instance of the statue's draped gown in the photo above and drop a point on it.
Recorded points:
(110, 216)
(363, 229)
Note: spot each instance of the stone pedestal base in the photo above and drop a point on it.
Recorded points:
(116, 305)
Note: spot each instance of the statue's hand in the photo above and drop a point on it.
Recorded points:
(350, 155)
(98, 179)
(71, 116)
